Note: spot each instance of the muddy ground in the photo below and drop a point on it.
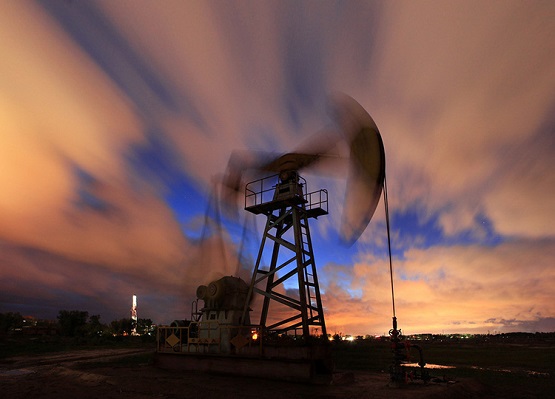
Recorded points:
(106, 374)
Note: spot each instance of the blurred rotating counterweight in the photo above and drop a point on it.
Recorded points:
(289, 284)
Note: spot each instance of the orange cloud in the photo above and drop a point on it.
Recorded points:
(445, 289)
(463, 102)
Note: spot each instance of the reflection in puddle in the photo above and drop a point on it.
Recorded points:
(529, 373)
(488, 369)
(429, 366)
(15, 372)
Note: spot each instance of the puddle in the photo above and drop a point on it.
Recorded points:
(529, 373)
(429, 366)
(15, 372)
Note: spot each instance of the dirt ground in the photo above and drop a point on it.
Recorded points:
(94, 374)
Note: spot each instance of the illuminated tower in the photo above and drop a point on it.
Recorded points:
(134, 316)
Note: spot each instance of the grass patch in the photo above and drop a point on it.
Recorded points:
(507, 370)
(23, 346)
(18, 347)
(363, 355)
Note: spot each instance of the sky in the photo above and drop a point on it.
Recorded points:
(116, 119)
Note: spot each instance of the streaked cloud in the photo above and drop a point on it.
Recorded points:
(115, 118)
(448, 289)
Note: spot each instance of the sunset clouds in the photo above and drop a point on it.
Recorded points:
(115, 118)
(450, 289)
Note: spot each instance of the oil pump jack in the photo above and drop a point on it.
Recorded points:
(289, 287)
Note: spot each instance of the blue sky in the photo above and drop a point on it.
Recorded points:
(117, 117)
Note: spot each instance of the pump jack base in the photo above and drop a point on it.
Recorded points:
(314, 371)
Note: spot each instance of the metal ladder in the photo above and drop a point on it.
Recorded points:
(287, 232)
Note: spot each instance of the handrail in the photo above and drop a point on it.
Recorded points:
(262, 191)
(320, 202)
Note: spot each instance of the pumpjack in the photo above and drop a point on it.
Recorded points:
(290, 340)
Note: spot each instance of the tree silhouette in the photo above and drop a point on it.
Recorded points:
(73, 322)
